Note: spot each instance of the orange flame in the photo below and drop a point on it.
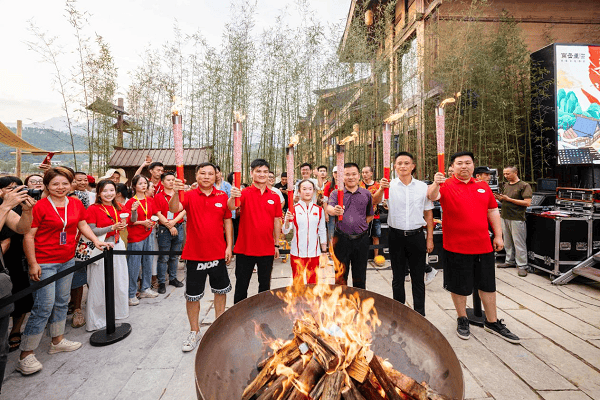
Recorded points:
(177, 105)
(294, 140)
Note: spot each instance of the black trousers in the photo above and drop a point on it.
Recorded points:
(244, 266)
(352, 253)
(408, 252)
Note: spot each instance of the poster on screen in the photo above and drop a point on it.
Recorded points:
(578, 97)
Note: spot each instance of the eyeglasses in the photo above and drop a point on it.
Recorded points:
(35, 182)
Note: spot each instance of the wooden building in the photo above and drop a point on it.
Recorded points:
(131, 159)
(402, 52)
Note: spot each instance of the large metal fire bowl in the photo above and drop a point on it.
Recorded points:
(230, 349)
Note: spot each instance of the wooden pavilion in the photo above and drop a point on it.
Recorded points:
(131, 159)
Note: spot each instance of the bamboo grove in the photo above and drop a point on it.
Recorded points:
(290, 78)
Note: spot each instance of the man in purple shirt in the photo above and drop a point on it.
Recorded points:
(351, 240)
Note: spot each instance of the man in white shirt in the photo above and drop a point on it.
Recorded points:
(410, 211)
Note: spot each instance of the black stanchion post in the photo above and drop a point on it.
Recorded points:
(112, 333)
(476, 315)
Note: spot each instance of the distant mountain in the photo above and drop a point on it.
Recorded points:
(58, 124)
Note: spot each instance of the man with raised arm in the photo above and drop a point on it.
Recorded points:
(260, 227)
(206, 251)
(410, 220)
(351, 238)
(470, 261)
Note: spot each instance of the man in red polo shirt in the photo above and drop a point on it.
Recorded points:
(260, 226)
(468, 206)
(206, 251)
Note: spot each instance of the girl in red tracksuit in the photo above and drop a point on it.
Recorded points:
(310, 234)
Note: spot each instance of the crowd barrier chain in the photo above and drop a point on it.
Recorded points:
(113, 332)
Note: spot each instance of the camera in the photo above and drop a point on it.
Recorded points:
(36, 194)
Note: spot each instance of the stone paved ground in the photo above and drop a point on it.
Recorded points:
(559, 357)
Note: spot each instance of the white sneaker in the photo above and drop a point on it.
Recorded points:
(149, 293)
(191, 341)
(29, 365)
(133, 301)
(430, 275)
(63, 345)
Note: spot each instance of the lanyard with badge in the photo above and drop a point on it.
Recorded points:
(143, 208)
(170, 215)
(63, 234)
(115, 220)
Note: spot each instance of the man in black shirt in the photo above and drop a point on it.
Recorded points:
(283, 187)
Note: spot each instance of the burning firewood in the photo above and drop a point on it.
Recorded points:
(324, 351)
(411, 387)
(330, 357)
(285, 355)
(333, 386)
(384, 380)
(370, 391)
(278, 387)
(307, 380)
(350, 392)
(359, 368)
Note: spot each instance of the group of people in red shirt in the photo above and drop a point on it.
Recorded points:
(57, 219)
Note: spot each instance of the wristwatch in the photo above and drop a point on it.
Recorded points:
(277, 245)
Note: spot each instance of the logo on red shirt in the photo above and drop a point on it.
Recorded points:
(218, 205)
(270, 202)
(481, 190)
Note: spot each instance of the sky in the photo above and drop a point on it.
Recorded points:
(129, 26)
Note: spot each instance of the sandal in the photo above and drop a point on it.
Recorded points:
(14, 341)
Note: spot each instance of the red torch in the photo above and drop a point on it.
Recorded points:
(237, 154)
(440, 130)
(289, 155)
(387, 143)
(340, 148)
(178, 142)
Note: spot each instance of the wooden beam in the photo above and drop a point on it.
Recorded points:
(18, 161)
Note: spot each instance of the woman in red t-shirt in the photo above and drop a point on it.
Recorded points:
(50, 248)
(139, 238)
(105, 218)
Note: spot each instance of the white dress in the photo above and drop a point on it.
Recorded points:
(95, 311)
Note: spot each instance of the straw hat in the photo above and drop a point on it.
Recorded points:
(110, 172)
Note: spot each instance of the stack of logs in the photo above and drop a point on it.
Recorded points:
(313, 363)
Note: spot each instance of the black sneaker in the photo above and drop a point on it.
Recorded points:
(498, 328)
(462, 329)
(161, 288)
(176, 283)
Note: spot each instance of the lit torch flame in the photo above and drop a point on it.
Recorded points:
(177, 105)
(238, 116)
(449, 100)
(294, 140)
(350, 138)
(395, 117)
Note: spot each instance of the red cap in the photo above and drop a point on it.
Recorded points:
(91, 179)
